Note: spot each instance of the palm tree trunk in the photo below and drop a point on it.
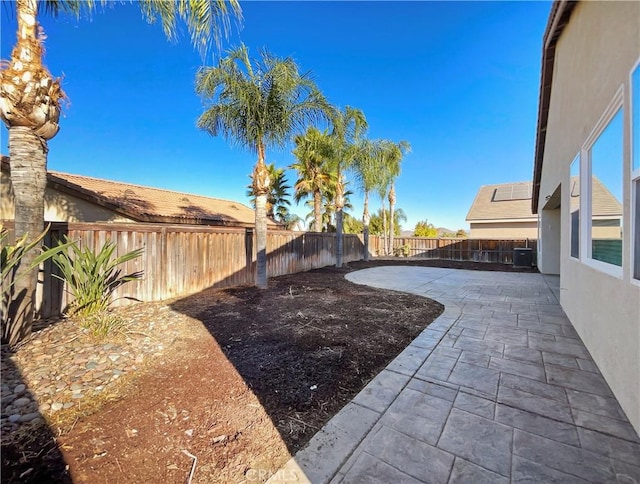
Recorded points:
(317, 211)
(392, 225)
(30, 107)
(261, 184)
(384, 229)
(339, 203)
(28, 155)
(365, 222)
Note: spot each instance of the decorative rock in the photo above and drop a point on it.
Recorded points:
(29, 417)
(63, 364)
(21, 402)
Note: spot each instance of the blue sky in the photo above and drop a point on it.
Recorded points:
(459, 81)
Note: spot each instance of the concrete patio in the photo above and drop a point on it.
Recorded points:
(498, 389)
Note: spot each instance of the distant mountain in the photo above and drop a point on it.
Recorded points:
(442, 231)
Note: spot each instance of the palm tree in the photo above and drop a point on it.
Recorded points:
(394, 154)
(290, 221)
(370, 175)
(313, 150)
(258, 105)
(30, 99)
(348, 126)
(381, 218)
(278, 197)
(328, 205)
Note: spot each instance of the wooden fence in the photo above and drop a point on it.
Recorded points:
(180, 260)
(479, 250)
(184, 259)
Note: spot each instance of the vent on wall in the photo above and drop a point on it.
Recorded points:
(512, 192)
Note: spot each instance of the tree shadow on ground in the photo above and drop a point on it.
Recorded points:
(310, 342)
(30, 453)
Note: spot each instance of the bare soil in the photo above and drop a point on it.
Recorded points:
(251, 378)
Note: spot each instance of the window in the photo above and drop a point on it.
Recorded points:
(605, 194)
(574, 206)
(635, 168)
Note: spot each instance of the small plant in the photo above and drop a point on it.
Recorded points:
(92, 278)
(403, 250)
(11, 257)
(103, 323)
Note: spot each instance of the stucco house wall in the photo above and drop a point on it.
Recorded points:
(59, 207)
(503, 230)
(594, 56)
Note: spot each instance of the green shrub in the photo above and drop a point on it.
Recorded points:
(403, 251)
(92, 278)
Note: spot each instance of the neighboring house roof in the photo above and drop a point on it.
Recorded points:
(558, 18)
(148, 204)
(506, 201)
(512, 201)
(603, 201)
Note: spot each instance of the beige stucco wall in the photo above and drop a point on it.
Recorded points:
(503, 230)
(59, 207)
(594, 57)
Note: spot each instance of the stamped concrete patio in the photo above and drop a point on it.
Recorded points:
(498, 389)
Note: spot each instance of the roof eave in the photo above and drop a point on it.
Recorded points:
(558, 19)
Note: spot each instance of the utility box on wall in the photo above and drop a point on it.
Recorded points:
(522, 257)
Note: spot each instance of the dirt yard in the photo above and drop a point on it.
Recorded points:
(247, 381)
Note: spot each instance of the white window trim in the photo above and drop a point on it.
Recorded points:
(577, 158)
(610, 112)
(635, 175)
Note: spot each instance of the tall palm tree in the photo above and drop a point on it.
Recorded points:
(394, 154)
(258, 105)
(348, 127)
(369, 171)
(313, 150)
(390, 157)
(278, 197)
(30, 99)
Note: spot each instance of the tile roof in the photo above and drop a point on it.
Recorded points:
(148, 204)
(493, 203)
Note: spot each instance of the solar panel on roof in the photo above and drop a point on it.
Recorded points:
(512, 192)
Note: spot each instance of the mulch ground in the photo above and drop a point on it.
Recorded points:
(250, 378)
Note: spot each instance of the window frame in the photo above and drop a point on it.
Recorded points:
(585, 251)
(577, 159)
(634, 178)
